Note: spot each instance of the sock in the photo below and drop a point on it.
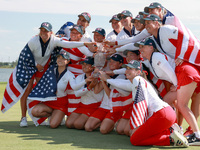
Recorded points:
(197, 134)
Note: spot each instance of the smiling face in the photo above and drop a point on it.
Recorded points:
(131, 73)
(98, 37)
(116, 25)
(114, 64)
(132, 56)
(62, 62)
(146, 51)
(87, 68)
(82, 22)
(139, 26)
(126, 21)
(75, 35)
(152, 26)
(44, 34)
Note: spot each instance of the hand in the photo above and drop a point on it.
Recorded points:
(40, 68)
(92, 48)
(109, 43)
(178, 61)
(103, 76)
(93, 83)
(89, 79)
(111, 51)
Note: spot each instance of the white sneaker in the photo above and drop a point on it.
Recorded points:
(177, 128)
(179, 139)
(23, 122)
(63, 121)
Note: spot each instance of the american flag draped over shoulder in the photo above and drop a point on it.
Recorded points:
(187, 45)
(45, 90)
(19, 79)
(140, 111)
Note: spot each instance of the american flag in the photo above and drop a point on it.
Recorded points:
(187, 45)
(46, 88)
(19, 79)
(140, 111)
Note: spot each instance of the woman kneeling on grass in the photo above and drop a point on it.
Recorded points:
(151, 117)
(56, 110)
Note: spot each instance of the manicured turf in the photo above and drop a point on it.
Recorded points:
(44, 138)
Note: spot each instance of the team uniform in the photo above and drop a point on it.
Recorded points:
(65, 30)
(177, 45)
(105, 110)
(162, 67)
(42, 51)
(112, 36)
(156, 118)
(62, 81)
(89, 101)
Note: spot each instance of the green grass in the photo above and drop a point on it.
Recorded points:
(44, 138)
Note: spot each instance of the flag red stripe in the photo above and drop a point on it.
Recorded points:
(190, 48)
(2, 107)
(12, 87)
(197, 60)
(41, 120)
(7, 97)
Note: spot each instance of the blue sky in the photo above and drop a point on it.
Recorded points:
(20, 19)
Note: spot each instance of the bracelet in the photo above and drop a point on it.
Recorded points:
(116, 43)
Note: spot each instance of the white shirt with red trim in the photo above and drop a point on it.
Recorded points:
(87, 96)
(111, 36)
(35, 47)
(107, 100)
(62, 84)
(162, 67)
(154, 103)
(86, 37)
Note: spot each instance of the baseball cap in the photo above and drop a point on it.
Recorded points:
(100, 31)
(46, 25)
(153, 5)
(151, 17)
(138, 17)
(146, 41)
(136, 51)
(88, 60)
(64, 54)
(125, 13)
(78, 28)
(143, 13)
(133, 64)
(114, 17)
(116, 57)
(86, 15)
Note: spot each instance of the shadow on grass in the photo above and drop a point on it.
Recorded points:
(79, 138)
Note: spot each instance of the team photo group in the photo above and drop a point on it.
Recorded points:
(140, 80)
